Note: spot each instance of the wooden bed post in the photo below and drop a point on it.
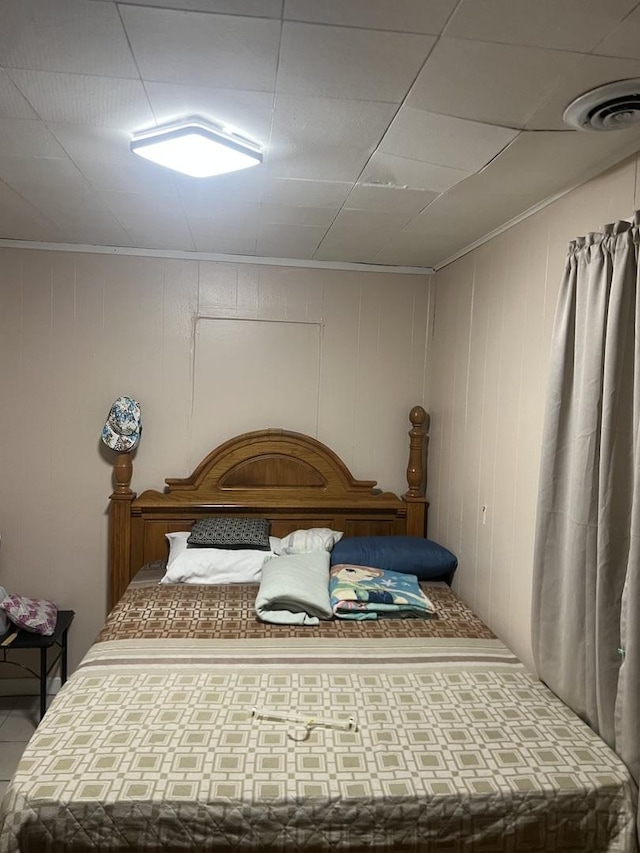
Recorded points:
(120, 528)
(416, 474)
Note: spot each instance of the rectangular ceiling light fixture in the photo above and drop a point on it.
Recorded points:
(197, 148)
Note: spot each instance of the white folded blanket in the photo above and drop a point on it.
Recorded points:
(294, 589)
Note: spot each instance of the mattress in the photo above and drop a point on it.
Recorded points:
(189, 726)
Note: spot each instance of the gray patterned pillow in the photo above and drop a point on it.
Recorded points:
(230, 533)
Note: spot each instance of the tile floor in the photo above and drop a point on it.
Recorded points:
(19, 716)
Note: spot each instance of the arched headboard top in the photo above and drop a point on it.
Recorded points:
(268, 465)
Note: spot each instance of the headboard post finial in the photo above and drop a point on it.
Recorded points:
(417, 443)
(123, 472)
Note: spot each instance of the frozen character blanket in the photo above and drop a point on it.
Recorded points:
(362, 592)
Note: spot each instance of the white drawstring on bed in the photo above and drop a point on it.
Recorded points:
(308, 723)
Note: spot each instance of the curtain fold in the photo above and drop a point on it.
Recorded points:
(586, 595)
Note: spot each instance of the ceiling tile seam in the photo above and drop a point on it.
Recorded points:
(211, 14)
(518, 44)
(337, 26)
(470, 120)
(177, 254)
(10, 68)
(614, 28)
(135, 61)
(282, 18)
(8, 72)
(267, 145)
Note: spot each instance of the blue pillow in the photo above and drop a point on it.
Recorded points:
(409, 554)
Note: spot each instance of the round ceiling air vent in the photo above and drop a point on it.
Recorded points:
(614, 106)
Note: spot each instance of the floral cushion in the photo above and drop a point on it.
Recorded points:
(33, 614)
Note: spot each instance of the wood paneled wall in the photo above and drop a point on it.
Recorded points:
(494, 311)
(78, 330)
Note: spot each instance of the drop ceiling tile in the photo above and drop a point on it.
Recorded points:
(91, 227)
(129, 207)
(444, 140)
(227, 245)
(366, 229)
(329, 122)
(407, 257)
(288, 241)
(410, 16)
(344, 62)
(280, 214)
(45, 171)
(591, 71)
(254, 8)
(541, 164)
(467, 79)
(138, 211)
(324, 138)
(28, 138)
(19, 220)
(294, 193)
(576, 25)
(335, 246)
(317, 163)
(416, 249)
(378, 198)
(86, 142)
(624, 41)
(13, 104)
(71, 197)
(402, 172)
(215, 236)
(237, 188)
(78, 99)
(248, 113)
(135, 175)
(363, 222)
(203, 50)
(346, 254)
(237, 213)
(65, 35)
(167, 229)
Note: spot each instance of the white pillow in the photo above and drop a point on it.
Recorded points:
(177, 545)
(274, 544)
(215, 566)
(305, 541)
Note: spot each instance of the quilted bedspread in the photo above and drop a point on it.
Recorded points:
(406, 743)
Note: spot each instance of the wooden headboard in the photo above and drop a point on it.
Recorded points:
(291, 479)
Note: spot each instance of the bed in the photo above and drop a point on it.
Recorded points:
(192, 726)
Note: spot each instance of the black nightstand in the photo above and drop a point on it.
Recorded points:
(57, 640)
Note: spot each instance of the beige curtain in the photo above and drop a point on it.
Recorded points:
(586, 598)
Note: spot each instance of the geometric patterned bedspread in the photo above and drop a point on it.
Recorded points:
(154, 611)
(392, 743)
